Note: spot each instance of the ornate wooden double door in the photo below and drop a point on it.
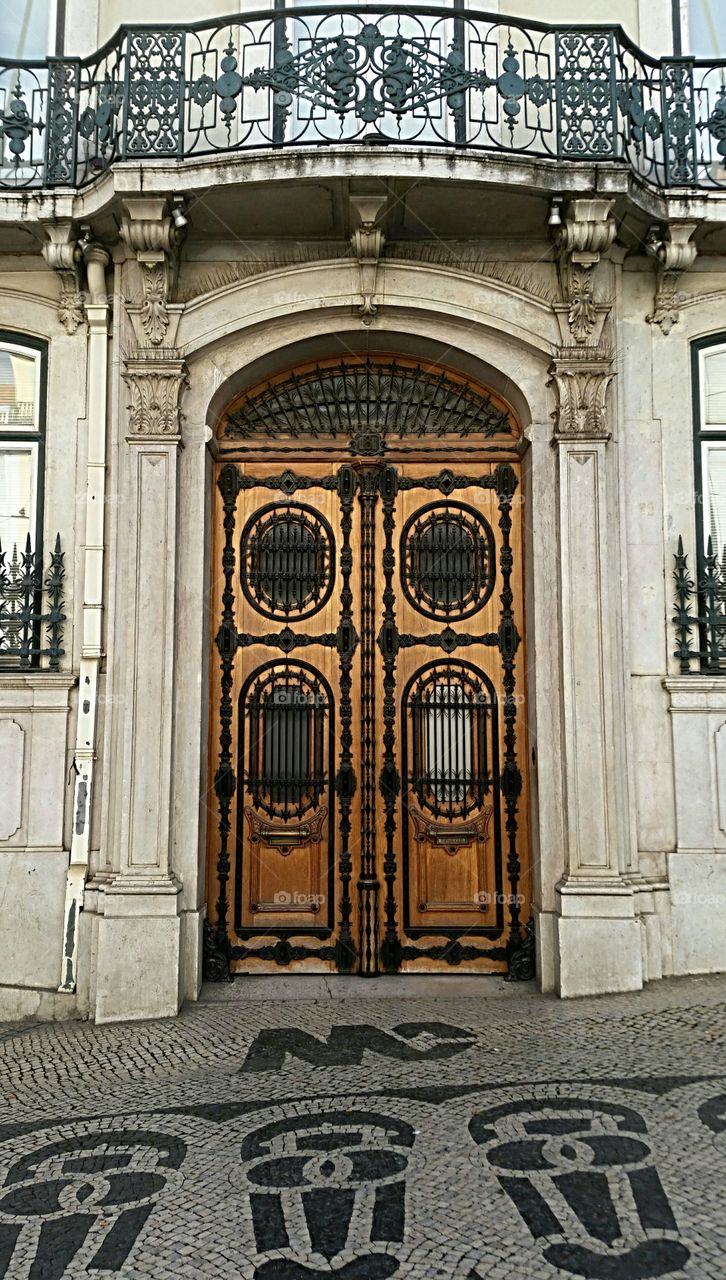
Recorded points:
(367, 810)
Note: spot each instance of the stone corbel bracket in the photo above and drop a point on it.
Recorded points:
(149, 232)
(64, 254)
(581, 377)
(588, 231)
(367, 241)
(674, 251)
(156, 379)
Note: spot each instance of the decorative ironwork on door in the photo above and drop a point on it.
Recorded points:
(368, 805)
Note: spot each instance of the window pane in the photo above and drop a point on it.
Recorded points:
(24, 28)
(714, 369)
(448, 746)
(714, 486)
(706, 29)
(17, 497)
(17, 390)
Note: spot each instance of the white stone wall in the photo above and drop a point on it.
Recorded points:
(90, 23)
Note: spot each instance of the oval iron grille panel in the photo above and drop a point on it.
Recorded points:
(285, 764)
(287, 561)
(450, 726)
(447, 560)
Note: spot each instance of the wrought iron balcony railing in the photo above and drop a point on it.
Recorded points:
(406, 75)
(30, 606)
(708, 595)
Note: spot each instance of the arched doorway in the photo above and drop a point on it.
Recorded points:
(368, 807)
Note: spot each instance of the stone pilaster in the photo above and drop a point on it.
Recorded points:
(598, 936)
(139, 933)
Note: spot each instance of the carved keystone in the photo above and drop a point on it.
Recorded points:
(367, 241)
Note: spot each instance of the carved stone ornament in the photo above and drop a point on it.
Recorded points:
(64, 255)
(150, 234)
(581, 379)
(368, 241)
(588, 231)
(156, 380)
(154, 313)
(675, 253)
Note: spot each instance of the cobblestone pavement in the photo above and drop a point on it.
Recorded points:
(455, 1129)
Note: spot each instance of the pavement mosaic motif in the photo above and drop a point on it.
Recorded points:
(470, 1137)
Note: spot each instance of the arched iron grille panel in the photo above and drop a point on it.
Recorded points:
(447, 560)
(286, 715)
(360, 400)
(287, 561)
(451, 721)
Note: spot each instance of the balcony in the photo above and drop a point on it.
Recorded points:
(412, 77)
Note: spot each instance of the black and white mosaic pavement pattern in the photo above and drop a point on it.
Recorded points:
(474, 1136)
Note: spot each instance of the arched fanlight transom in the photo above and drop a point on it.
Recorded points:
(368, 403)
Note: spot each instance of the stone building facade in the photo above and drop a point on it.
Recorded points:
(493, 246)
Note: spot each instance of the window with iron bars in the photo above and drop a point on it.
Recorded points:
(31, 593)
(700, 605)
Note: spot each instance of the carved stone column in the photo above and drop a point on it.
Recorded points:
(598, 936)
(139, 933)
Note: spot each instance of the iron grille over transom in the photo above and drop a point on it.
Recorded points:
(447, 560)
(287, 712)
(450, 722)
(287, 561)
(366, 402)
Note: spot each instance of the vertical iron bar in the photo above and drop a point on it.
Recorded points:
(390, 781)
(345, 952)
(368, 884)
(682, 619)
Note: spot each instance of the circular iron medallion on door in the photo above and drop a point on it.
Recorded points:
(287, 561)
(447, 560)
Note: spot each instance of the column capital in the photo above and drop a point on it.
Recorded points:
(581, 377)
(156, 378)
